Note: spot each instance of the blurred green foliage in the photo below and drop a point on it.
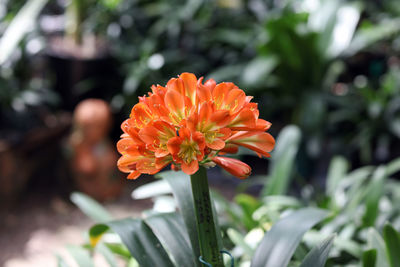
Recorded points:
(353, 222)
(326, 66)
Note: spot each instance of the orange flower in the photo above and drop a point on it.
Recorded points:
(189, 123)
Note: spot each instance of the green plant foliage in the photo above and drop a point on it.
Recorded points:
(91, 207)
(376, 242)
(81, 256)
(283, 160)
(392, 241)
(369, 258)
(19, 27)
(171, 231)
(107, 254)
(279, 244)
(319, 254)
(141, 242)
(180, 185)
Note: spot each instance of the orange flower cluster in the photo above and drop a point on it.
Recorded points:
(190, 123)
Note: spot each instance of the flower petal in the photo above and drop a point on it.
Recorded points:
(134, 175)
(174, 145)
(259, 142)
(245, 120)
(191, 167)
(190, 85)
(234, 166)
(175, 102)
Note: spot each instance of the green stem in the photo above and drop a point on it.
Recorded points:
(209, 248)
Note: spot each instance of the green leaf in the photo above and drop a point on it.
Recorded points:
(96, 232)
(369, 258)
(119, 249)
(152, 189)
(373, 195)
(283, 156)
(141, 242)
(376, 242)
(238, 239)
(111, 4)
(81, 256)
(181, 188)
(107, 254)
(393, 167)
(60, 261)
(171, 231)
(319, 254)
(367, 36)
(279, 244)
(258, 70)
(392, 240)
(90, 207)
(19, 27)
(337, 171)
(249, 205)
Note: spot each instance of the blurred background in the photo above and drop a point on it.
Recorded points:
(331, 68)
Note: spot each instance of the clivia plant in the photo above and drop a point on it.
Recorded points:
(192, 126)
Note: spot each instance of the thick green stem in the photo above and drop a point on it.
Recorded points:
(209, 249)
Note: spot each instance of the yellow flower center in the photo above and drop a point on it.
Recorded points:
(189, 151)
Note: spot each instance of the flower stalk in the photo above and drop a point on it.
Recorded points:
(209, 248)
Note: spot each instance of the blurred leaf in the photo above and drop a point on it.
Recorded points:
(279, 243)
(342, 32)
(20, 25)
(61, 262)
(181, 188)
(152, 189)
(249, 205)
(392, 240)
(376, 242)
(81, 256)
(90, 207)
(143, 245)
(319, 254)
(107, 254)
(238, 239)
(314, 237)
(133, 263)
(257, 70)
(96, 232)
(226, 73)
(282, 161)
(171, 231)
(119, 249)
(367, 36)
(393, 167)
(337, 170)
(369, 258)
(374, 193)
(111, 4)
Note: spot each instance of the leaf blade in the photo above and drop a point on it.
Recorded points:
(279, 244)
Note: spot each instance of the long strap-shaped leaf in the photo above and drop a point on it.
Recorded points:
(279, 244)
(392, 241)
(20, 25)
(169, 228)
(141, 242)
(283, 161)
(318, 255)
(181, 188)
